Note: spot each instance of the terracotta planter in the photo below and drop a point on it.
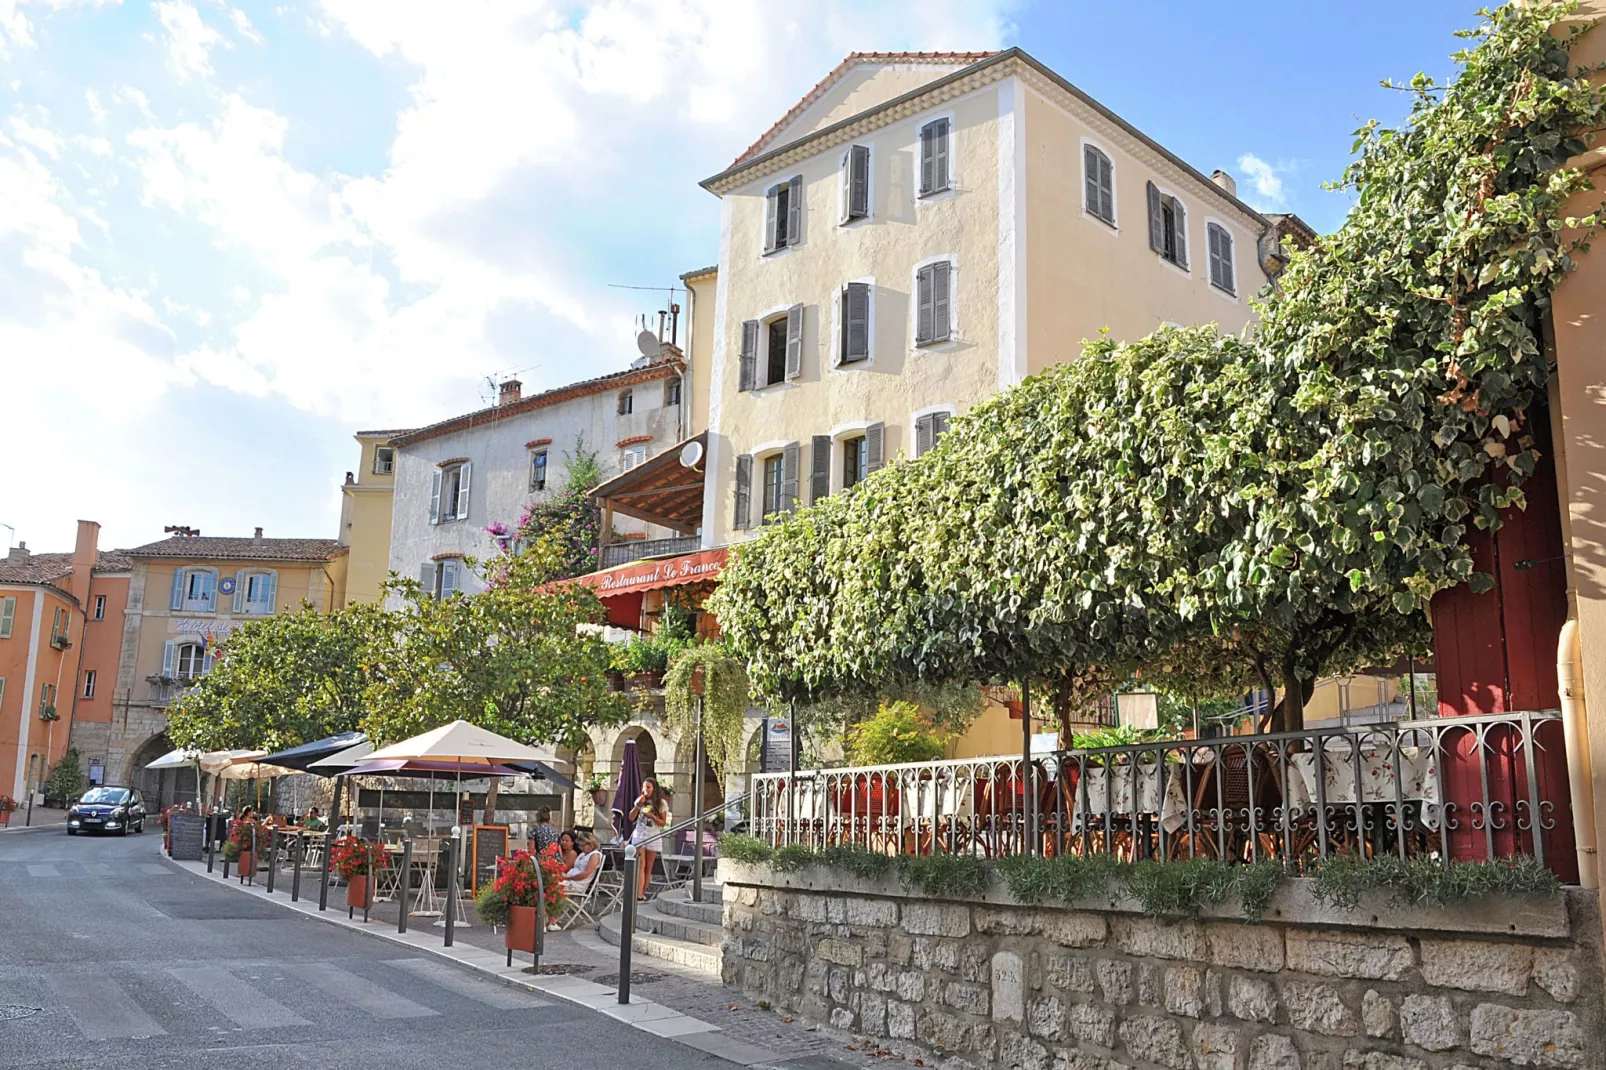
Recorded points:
(246, 864)
(5, 818)
(358, 890)
(645, 681)
(616, 681)
(521, 934)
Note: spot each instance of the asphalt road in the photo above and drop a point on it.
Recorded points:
(109, 957)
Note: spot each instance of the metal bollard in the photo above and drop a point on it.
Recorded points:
(401, 885)
(211, 845)
(251, 878)
(627, 923)
(451, 889)
(372, 881)
(295, 877)
(273, 856)
(328, 852)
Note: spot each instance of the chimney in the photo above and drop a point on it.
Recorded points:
(1225, 181)
(256, 536)
(19, 554)
(510, 392)
(83, 560)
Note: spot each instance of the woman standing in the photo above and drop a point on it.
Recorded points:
(649, 817)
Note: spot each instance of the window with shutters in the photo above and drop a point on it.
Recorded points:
(440, 578)
(855, 460)
(936, 156)
(773, 486)
(855, 313)
(929, 427)
(1168, 226)
(538, 470)
(933, 303)
(195, 590)
(783, 215)
(775, 352)
(89, 683)
(856, 183)
(627, 402)
(8, 615)
(189, 661)
(1098, 184)
(1222, 274)
(631, 457)
(256, 592)
(100, 607)
(449, 497)
(384, 460)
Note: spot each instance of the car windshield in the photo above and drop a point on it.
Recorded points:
(105, 795)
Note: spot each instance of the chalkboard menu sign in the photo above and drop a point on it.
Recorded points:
(490, 843)
(465, 811)
(186, 837)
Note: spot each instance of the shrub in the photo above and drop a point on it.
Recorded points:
(897, 732)
(740, 848)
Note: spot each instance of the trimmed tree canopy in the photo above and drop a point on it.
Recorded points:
(1213, 510)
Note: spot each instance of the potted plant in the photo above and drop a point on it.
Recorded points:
(243, 836)
(356, 860)
(510, 899)
(7, 805)
(597, 788)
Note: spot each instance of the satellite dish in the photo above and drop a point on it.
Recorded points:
(647, 342)
(691, 454)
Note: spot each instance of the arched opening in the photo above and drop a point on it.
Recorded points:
(646, 750)
(161, 787)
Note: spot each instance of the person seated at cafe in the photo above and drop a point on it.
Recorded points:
(568, 847)
(545, 833)
(577, 879)
(312, 821)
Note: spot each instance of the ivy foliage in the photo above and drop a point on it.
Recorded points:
(726, 696)
(1216, 511)
(1343, 880)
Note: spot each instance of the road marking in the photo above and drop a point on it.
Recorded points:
(154, 867)
(102, 1009)
(362, 994)
(240, 1003)
(454, 980)
(98, 869)
(42, 870)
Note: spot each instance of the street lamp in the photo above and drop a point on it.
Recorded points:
(697, 686)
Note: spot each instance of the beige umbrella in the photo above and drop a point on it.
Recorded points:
(465, 743)
(247, 769)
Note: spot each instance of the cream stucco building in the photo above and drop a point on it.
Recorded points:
(921, 231)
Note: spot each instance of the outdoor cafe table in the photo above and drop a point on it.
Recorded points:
(1414, 775)
(1102, 791)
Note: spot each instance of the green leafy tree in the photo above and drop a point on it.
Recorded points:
(897, 732)
(1217, 512)
(570, 518)
(524, 658)
(66, 778)
(282, 680)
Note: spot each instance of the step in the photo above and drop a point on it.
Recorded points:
(699, 957)
(653, 918)
(678, 902)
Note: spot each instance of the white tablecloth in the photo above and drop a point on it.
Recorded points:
(1416, 774)
(1110, 791)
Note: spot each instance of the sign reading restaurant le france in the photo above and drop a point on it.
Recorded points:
(652, 574)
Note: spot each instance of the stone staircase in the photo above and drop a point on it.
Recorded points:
(672, 928)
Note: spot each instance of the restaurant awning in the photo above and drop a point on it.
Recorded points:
(703, 566)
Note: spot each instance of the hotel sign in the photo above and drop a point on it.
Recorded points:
(651, 575)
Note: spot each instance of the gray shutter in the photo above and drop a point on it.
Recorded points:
(856, 321)
(794, 341)
(1220, 243)
(939, 166)
(749, 355)
(448, 577)
(239, 591)
(169, 658)
(426, 577)
(873, 446)
(435, 498)
(1106, 188)
(928, 159)
(1090, 178)
(939, 426)
(771, 218)
(789, 477)
(209, 579)
(794, 212)
(1156, 221)
(923, 305)
(744, 491)
(923, 435)
(858, 182)
(820, 469)
(462, 491)
(941, 319)
(1181, 216)
(178, 589)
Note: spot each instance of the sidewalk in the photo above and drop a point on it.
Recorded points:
(42, 818)
(579, 967)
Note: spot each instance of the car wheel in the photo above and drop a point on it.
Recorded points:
(72, 832)
(140, 828)
(124, 830)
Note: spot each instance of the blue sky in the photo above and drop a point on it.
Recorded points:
(233, 234)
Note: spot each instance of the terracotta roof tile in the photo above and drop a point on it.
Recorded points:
(853, 60)
(240, 549)
(47, 568)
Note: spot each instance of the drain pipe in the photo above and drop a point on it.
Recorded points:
(1575, 729)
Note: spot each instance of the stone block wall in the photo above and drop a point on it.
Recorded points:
(993, 983)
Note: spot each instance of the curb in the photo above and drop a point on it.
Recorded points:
(654, 1018)
(21, 829)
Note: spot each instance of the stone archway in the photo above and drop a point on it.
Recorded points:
(161, 787)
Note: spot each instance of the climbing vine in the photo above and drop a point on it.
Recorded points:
(726, 696)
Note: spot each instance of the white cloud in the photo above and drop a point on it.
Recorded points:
(1267, 192)
(96, 111)
(189, 40)
(242, 25)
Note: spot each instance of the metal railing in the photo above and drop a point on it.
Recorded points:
(1478, 787)
(622, 553)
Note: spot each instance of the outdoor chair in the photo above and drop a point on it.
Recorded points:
(1231, 807)
(588, 905)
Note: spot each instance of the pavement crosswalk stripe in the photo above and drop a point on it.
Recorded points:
(97, 869)
(454, 980)
(362, 994)
(240, 1002)
(102, 1009)
(154, 867)
(43, 869)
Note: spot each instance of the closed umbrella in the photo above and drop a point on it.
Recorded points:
(628, 789)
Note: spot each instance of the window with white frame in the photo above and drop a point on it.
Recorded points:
(538, 469)
(438, 579)
(936, 170)
(777, 490)
(627, 402)
(8, 615)
(933, 303)
(1221, 267)
(853, 314)
(449, 495)
(1098, 184)
(774, 486)
(185, 660)
(1168, 226)
(60, 621)
(855, 460)
(928, 429)
(783, 214)
(100, 607)
(194, 590)
(772, 350)
(254, 591)
(89, 684)
(856, 183)
(384, 460)
(632, 457)
(671, 391)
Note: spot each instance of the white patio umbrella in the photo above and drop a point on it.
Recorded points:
(176, 759)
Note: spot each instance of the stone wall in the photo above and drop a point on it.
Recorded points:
(992, 983)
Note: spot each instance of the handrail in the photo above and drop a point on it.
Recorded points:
(724, 805)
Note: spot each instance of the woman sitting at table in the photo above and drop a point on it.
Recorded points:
(579, 876)
(568, 850)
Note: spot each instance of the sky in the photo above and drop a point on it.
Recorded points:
(233, 235)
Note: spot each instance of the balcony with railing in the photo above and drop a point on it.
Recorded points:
(1446, 788)
(665, 490)
(622, 553)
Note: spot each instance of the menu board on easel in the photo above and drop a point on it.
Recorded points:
(490, 843)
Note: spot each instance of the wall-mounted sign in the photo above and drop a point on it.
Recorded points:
(217, 628)
(651, 575)
(226, 585)
(775, 753)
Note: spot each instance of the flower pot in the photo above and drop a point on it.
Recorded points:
(5, 818)
(358, 890)
(247, 863)
(645, 681)
(616, 681)
(521, 934)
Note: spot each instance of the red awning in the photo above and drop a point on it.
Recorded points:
(651, 575)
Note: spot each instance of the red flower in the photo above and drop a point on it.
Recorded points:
(354, 857)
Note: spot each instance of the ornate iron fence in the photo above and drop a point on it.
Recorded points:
(1478, 787)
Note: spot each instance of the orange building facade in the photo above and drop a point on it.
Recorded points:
(61, 633)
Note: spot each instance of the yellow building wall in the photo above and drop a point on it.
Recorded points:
(365, 517)
(701, 291)
(860, 90)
